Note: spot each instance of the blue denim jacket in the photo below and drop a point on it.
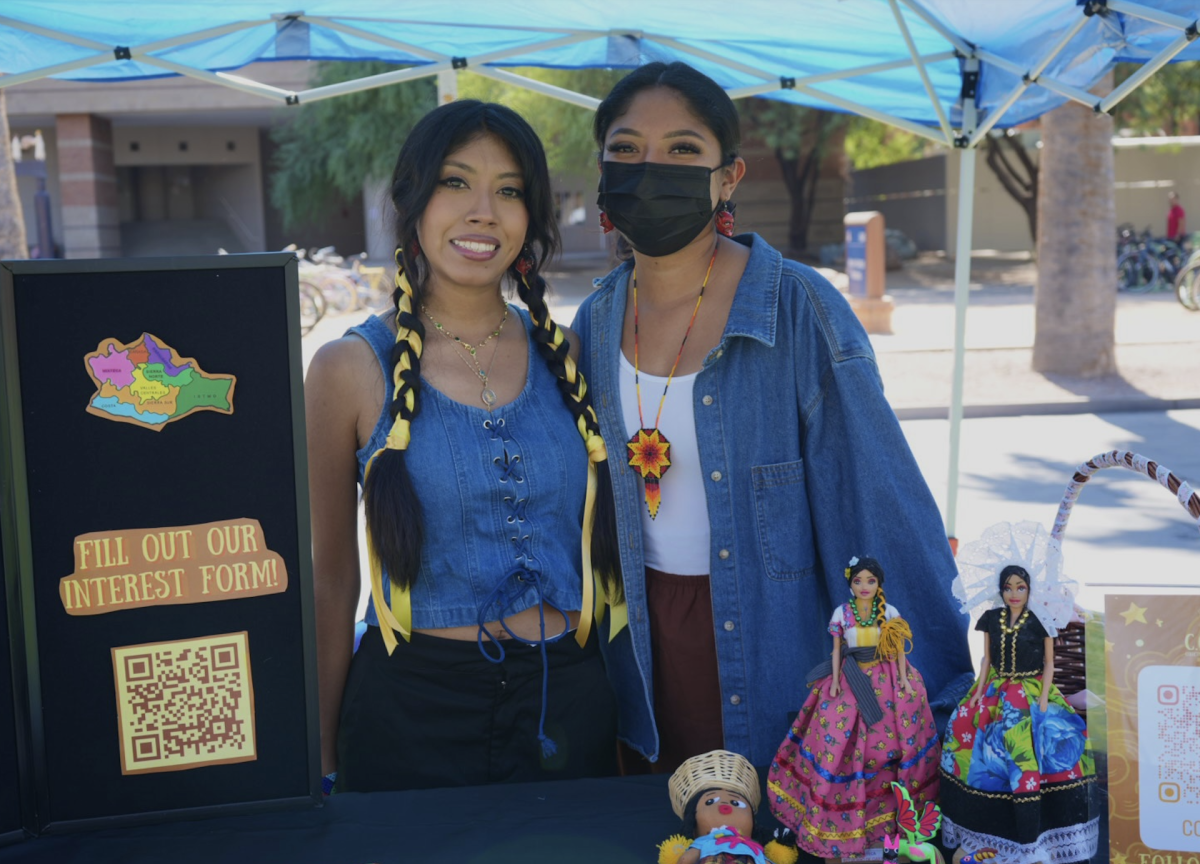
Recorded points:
(804, 466)
(500, 491)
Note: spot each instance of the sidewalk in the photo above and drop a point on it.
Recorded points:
(1157, 348)
(1158, 343)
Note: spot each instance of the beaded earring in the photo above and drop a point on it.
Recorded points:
(724, 218)
(606, 223)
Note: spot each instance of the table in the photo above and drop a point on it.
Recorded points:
(598, 821)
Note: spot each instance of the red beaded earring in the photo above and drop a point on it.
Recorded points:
(525, 261)
(606, 223)
(724, 218)
(414, 250)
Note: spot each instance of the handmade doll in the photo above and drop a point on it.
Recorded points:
(865, 724)
(716, 795)
(1016, 764)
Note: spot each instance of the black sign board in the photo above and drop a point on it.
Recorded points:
(156, 460)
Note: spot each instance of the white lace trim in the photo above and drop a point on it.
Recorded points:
(1059, 846)
(1051, 594)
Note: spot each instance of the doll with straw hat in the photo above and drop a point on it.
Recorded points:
(716, 794)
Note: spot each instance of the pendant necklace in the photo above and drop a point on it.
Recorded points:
(649, 449)
(488, 396)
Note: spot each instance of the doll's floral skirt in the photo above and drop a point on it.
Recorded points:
(830, 781)
(1017, 779)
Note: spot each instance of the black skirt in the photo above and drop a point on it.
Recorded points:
(437, 713)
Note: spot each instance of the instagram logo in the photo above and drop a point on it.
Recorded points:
(1168, 793)
(1168, 694)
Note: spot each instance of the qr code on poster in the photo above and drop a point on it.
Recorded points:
(184, 704)
(1169, 756)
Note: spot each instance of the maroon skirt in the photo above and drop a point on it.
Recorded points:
(687, 688)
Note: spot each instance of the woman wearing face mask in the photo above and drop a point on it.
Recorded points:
(760, 454)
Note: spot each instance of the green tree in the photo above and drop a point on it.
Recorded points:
(1168, 103)
(565, 129)
(800, 138)
(329, 148)
(871, 144)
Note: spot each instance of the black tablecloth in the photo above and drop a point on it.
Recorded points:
(609, 821)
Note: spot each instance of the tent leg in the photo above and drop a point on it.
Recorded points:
(962, 282)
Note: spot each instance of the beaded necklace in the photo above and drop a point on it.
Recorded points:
(1005, 630)
(874, 613)
(649, 449)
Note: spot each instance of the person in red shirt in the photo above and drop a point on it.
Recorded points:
(1176, 218)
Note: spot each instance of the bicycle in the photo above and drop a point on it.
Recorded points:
(1187, 283)
(312, 307)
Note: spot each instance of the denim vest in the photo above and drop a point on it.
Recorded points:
(804, 465)
(500, 491)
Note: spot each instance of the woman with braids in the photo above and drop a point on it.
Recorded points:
(484, 480)
(761, 452)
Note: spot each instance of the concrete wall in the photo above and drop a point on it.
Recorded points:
(904, 192)
(1144, 177)
(1000, 222)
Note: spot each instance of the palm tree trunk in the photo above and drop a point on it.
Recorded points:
(1076, 296)
(12, 222)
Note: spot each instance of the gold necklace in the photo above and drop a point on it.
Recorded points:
(488, 395)
(1005, 630)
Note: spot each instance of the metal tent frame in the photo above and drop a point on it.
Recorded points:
(965, 135)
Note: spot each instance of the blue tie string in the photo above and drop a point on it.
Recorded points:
(507, 592)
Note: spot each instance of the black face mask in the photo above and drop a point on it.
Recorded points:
(659, 208)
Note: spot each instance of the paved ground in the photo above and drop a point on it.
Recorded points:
(1025, 432)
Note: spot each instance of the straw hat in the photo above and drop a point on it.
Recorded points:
(717, 769)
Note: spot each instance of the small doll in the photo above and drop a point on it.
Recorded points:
(1016, 764)
(866, 723)
(716, 795)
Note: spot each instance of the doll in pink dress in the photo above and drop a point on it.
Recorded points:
(865, 724)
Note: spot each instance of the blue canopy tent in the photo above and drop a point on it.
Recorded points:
(947, 70)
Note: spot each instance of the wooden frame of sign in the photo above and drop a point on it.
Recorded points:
(13, 757)
(156, 534)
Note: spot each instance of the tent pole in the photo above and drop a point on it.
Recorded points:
(962, 285)
(840, 75)
(943, 120)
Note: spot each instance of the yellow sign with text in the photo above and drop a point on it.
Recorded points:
(139, 567)
(1152, 648)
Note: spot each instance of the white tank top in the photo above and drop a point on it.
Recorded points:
(677, 540)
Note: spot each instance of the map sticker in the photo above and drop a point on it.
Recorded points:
(185, 704)
(1169, 757)
(148, 384)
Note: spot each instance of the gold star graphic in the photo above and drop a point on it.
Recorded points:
(1120, 858)
(1108, 646)
(1157, 622)
(1134, 613)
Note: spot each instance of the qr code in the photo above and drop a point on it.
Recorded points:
(185, 704)
(1169, 756)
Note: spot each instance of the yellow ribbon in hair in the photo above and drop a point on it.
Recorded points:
(595, 598)
(390, 622)
(893, 634)
(396, 618)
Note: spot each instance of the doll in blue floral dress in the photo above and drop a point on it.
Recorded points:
(1016, 764)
